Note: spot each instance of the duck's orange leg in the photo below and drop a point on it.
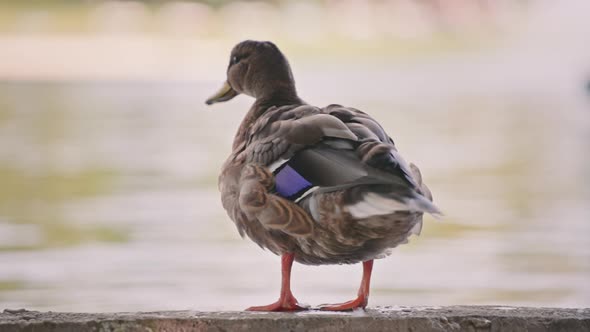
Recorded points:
(286, 302)
(363, 293)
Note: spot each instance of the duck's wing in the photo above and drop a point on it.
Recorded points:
(370, 187)
(310, 149)
(281, 132)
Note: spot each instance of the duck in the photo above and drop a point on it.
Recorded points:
(313, 185)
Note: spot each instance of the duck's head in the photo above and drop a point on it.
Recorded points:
(257, 69)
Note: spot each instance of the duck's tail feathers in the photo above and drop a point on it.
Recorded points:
(373, 204)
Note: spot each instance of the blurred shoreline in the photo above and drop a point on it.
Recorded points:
(188, 41)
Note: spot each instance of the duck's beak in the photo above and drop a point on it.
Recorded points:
(224, 94)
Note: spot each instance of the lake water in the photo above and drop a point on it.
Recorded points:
(109, 201)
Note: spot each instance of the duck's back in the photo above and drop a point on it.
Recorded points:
(325, 183)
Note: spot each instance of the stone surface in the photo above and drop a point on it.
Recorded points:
(457, 318)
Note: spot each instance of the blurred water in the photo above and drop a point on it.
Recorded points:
(108, 196)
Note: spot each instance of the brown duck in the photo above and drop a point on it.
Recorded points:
(314, 185)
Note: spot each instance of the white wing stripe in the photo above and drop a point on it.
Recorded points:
(275, 165)
(375, 205)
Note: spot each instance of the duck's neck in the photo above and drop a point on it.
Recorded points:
(260, 106)
(278, 98)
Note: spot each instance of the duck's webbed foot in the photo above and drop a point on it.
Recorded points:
(358, 303)
(284, 303)
(363, 294)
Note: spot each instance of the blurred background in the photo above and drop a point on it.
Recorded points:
(109, 157)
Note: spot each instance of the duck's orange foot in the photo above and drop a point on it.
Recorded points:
(287, 304)
(358, 303)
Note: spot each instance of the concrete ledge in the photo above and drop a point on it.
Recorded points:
(457, 318)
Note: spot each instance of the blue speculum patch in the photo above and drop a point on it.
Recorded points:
(290, 184)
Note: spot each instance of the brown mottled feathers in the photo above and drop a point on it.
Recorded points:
(283, 130)
(272, 211)
(319, 228)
